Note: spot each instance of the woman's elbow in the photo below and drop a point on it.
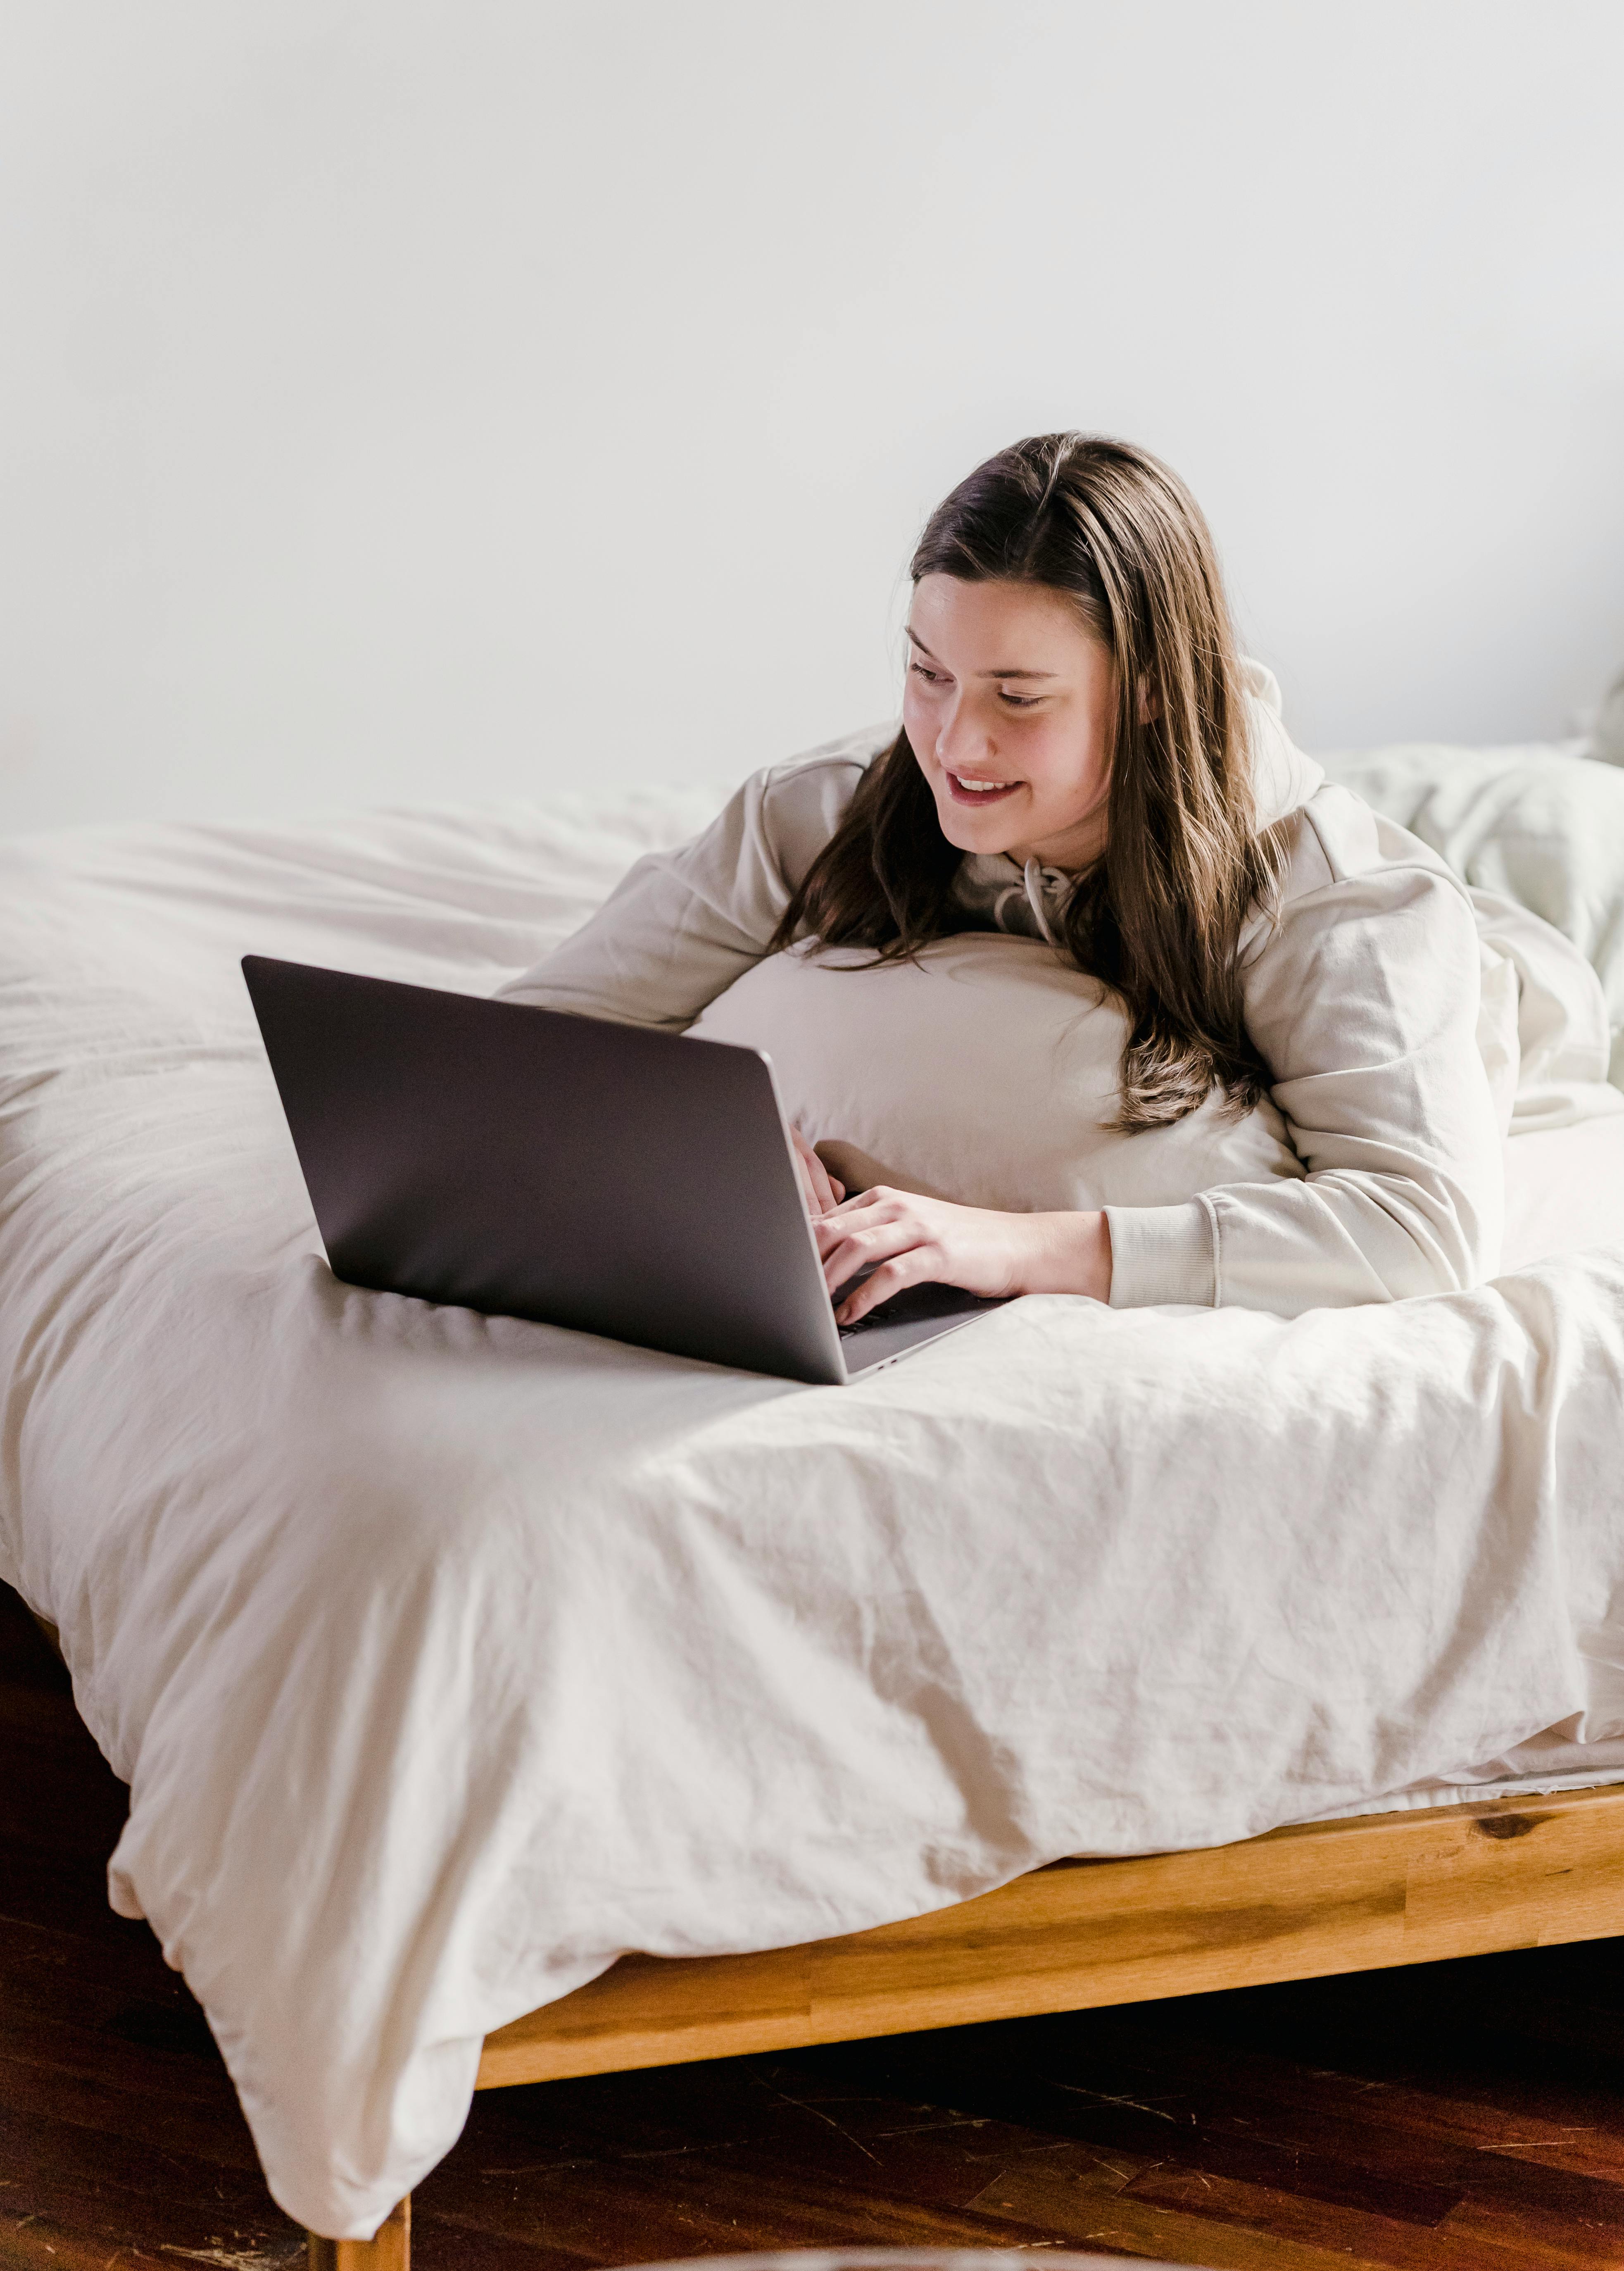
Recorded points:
(1444, 1236)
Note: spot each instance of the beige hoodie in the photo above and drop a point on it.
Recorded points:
(1362, 1000)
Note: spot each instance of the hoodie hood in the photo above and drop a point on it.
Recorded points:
(1283, 779)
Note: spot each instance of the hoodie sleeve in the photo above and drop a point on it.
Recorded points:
(682, 925)
(1362, 1001)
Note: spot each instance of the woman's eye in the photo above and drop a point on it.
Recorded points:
(1019, 701)
(930, 677)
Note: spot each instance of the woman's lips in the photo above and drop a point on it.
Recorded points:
(978, 790)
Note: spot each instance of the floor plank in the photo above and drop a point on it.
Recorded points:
(1455, 2117)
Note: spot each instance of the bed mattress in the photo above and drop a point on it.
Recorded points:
(448, 1657)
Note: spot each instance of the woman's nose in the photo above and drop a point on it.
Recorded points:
(962, 739)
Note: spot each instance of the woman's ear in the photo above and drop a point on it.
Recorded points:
(1150, 703)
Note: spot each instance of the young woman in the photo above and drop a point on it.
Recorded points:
(1084, 758)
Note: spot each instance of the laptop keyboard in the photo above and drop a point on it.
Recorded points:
(914, 1305)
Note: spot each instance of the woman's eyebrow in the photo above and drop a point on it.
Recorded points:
(925, 651)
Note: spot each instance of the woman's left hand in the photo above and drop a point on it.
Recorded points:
(917, 1240)
(819, 1190)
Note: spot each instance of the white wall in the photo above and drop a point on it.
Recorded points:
(426, 400)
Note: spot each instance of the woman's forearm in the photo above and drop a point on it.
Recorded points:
(1067, 1254)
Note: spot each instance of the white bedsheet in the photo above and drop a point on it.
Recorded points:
(1564, 1191)
(448, 1657)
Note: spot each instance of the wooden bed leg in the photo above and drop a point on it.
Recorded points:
(389, 2248)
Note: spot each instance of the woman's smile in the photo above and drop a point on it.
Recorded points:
(966, 788)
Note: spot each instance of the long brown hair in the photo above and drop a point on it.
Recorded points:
(1158, 917)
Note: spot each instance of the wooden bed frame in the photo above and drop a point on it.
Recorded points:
(1299, 1903)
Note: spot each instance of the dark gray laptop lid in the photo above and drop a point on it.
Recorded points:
(530, 1164)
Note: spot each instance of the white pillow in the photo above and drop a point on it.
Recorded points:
(1543, 1028)
(983, 1072)
(1541, 826)
(1607, 741)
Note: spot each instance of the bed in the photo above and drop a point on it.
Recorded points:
(497, 1703)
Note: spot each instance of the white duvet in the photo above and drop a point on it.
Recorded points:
(448, 1657)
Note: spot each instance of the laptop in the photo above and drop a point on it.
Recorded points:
(530, 1164)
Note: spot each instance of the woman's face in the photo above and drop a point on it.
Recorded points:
(1011, 709)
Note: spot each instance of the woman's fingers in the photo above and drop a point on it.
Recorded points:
(866, 1208)
(879, 1231)
(848, 1234)
(914, 1268)
(819, 1188)
(814, 1185)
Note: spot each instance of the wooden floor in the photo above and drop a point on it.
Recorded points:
(1452, 2116)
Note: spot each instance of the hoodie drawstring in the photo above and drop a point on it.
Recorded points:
(1035, 885)
(1033, 878)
